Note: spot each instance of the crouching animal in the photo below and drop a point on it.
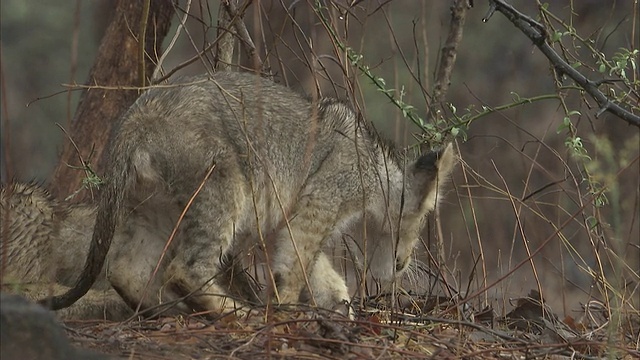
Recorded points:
(225, 159)
(43, 244)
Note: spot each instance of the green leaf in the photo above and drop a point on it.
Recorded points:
(602, 68)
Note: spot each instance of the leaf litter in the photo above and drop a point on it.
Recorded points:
(412, 326)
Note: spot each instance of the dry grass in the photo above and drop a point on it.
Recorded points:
(435, 328)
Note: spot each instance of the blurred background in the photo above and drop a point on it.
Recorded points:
(518, 186)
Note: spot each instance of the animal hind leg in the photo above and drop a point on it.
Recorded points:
(206, 238)
(131, 263)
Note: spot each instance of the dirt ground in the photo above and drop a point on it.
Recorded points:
(449, 331)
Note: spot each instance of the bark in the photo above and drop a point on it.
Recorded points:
(118, 64)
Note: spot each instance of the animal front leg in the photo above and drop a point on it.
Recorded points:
(297, 246)
(329, 287)
(201, 284)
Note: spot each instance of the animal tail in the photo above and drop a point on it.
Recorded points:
(110, 211)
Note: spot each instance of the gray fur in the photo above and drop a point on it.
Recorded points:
(44, 242)
(42, 247)
(281, 163)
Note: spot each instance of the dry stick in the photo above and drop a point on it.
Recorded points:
(241, 29)
(181, 26)
(443, 79)
(272, 281)
(450, 50)
(73, 61)
(224, 49)
(173, 234)
(6, 128)
(284, 213)
(537, 33)
(182, 65)
(231, 16)
(521, 263)
(142, 37)
(84, 165)
(6, 154)
(474, 216)
(139, 88)
(517, 211)
(198, 56)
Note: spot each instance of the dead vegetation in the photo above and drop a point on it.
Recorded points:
(426, 328)
(546, 196)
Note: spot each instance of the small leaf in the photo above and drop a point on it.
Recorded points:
(602, 68)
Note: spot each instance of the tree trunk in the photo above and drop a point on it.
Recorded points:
(118, 64)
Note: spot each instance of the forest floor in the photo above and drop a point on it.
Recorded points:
(417, 328)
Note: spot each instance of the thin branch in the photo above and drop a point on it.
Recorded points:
(6, 140)
(536, 32)
(224, 47)
(450, 50)
(241, 30)
(142, 37)
(158, 71)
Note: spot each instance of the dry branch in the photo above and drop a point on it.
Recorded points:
(242, 32)
(225, 45)
(450, 50)
(537, 33)
(230, 16)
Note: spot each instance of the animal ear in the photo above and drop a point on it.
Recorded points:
(428, 173)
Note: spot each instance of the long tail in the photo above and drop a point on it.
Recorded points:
(109, 214)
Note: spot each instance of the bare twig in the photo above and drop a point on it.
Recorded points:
(450, 50)
(241, 30)
(232, 17)
(536, 32)
(441, 86)
(6, 130)
(142, 37)
(224, 47)
(181, 25)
